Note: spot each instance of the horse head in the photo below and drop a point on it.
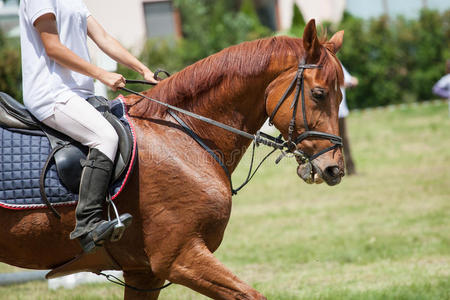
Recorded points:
(303, 103)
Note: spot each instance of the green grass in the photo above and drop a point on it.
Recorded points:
(383, 234)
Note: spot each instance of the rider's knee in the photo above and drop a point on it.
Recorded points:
(108, 142)
(110, 137)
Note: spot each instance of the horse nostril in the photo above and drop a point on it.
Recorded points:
(332, 171)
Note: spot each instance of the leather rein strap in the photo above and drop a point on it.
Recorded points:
(259, 137)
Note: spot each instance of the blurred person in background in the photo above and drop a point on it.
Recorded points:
(442, 87)
(349, 82)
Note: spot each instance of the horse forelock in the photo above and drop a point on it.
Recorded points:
(211, 78)
(331, 71)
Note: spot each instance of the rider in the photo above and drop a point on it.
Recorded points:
(57, 78)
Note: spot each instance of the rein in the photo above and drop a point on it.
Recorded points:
(260, 138)
(277, 143)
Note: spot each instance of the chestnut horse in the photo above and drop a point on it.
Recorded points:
(179, 197)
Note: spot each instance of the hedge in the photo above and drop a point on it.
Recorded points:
(10, 67)
(396, 60)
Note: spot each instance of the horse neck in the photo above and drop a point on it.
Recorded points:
(229, 87)
(240, 105)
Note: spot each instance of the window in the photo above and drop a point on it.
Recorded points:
(159, 19)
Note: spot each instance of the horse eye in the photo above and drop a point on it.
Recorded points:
(318, 93)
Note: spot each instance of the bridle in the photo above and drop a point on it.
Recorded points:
(291, 143)
(277, 143)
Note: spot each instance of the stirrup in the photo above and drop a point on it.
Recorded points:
(103, 232)
(119, 228)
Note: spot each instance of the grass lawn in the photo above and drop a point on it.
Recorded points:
(383, 234)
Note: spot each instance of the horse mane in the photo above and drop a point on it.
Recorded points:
(206, 79)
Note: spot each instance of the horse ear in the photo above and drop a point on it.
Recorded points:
(336, 40)
(311, 42)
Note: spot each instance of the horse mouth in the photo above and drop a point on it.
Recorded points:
(311, 173)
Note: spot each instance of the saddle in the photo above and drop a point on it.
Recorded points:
(66, 152)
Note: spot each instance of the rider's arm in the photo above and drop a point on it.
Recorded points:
(115, 50)
(46, 26)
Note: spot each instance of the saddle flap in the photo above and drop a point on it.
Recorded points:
(125, 147)
(14, 115)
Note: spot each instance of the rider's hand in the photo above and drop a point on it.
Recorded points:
(352, 83)
(149, 76)
(112, 80)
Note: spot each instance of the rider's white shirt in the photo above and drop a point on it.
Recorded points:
(44, 81)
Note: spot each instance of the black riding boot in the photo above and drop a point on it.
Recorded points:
(91, 229)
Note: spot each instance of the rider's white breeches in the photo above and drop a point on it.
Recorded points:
(82, 122)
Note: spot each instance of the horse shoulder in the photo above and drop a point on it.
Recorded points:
(180, 183)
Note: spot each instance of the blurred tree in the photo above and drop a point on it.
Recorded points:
(431, 45)
(298, 22)
(265, 10)
(2, 39)
(10, 67)
(247, 7)
(395, 61)
(208, 27)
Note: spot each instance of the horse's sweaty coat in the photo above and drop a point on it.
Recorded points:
(179, 197)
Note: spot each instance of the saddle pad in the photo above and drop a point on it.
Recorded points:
(22, 157)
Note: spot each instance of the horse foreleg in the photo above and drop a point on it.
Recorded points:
(197, 268)
(142, 280)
